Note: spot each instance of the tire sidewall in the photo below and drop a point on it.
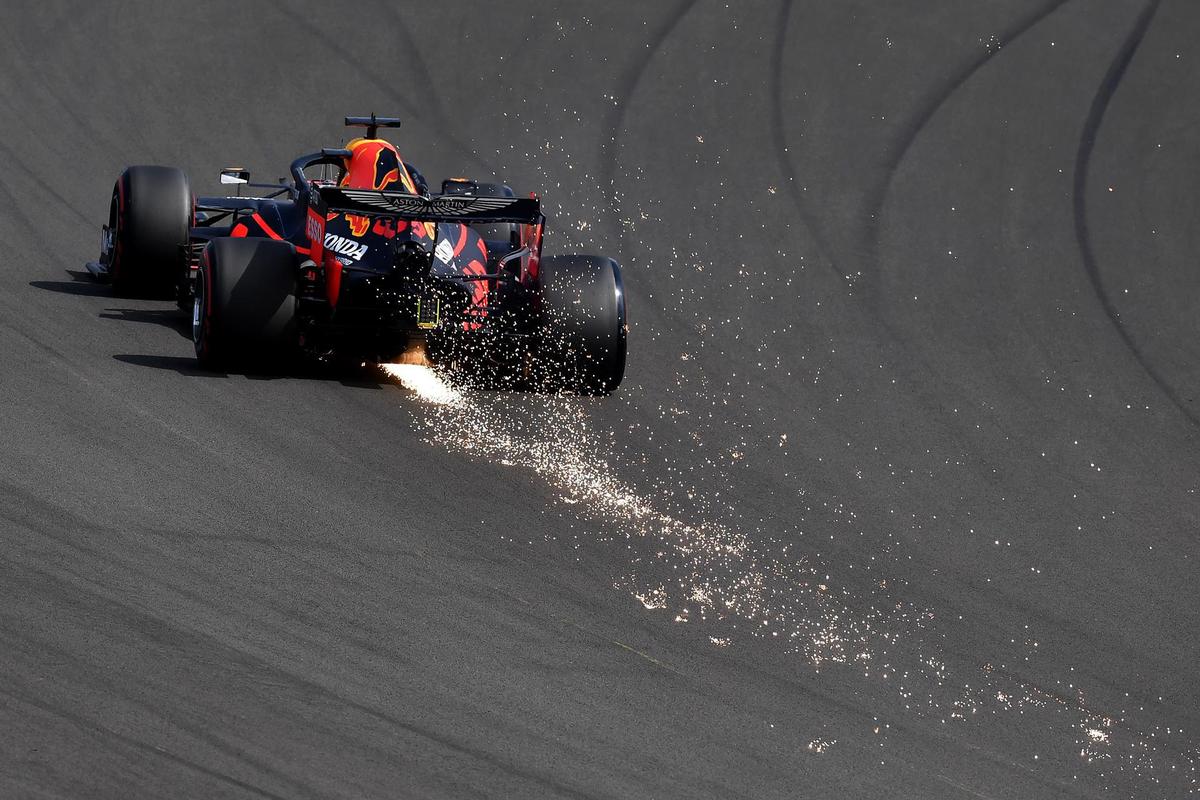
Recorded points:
(583, 322)
(154, 215)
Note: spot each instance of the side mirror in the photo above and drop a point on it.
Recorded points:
(235, 175)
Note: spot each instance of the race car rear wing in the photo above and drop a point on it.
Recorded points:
(432, 208)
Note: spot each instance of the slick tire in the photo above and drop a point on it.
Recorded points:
(244, 312)
(583, 325)
(150, 217)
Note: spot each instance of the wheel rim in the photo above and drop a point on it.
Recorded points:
(198, 309)
(114, 228)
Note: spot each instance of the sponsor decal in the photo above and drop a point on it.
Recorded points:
(438, 205)
(315, 227)
(386, 227)
(345, 247)
(444, 251)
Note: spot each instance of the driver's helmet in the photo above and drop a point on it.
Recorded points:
(376, 164)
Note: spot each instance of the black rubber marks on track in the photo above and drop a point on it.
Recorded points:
(610, 146)
(1087, 143)
(779, 136)
(933, 103)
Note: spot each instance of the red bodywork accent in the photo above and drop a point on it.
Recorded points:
(242, 230)
(462, 240)
(266, 228)
(479, 296)
(315, 228)
(479, 289)
(388, 227)
(333, 279)
(531, 237)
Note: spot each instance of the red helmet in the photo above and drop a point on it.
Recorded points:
(376, 164)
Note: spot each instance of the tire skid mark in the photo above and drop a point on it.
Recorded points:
(423, 77)
(332, 45)
(779, 136)
(103, 732)
(14, 207)
(928, 110)
(36, 520)
(437, 111)
(1087, 145)
(610, 147)
(699, 570)
(75, 23)
(253, 662)
(408, 106)
(717, 570)
(198, 732)
(74, 536)
(12, 160)
(909, 133)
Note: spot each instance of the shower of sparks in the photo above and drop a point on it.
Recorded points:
(718, 576)
(717, 572)
(425, 383)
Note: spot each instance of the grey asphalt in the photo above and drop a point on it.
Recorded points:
(899, 498)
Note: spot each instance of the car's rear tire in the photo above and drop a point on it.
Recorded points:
(244, 313)
(583, 325)
(149, 220)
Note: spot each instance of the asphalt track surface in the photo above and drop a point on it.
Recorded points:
(899, 498)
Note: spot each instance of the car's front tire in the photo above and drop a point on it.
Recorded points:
(149, 222)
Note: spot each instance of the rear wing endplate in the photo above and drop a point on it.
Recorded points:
(432, 208)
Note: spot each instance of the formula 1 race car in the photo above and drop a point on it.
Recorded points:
(354, 259)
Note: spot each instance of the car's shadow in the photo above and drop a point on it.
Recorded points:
(180, 364)
(354, 377)
(171, 318)
(81, 283)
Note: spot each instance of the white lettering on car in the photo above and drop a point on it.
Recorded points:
(315, 227)
(346, 247)
(444, 251)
